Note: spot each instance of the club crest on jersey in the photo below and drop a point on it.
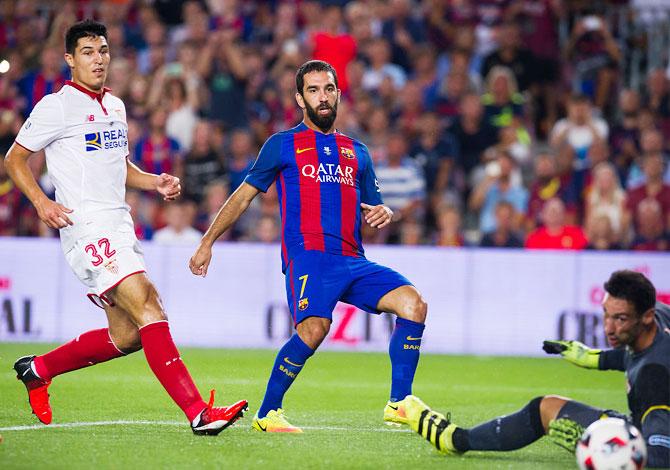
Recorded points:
(112, 267)
(348, 153)
(113, 138)
(303, 304)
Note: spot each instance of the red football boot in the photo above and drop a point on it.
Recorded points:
(215, 419)
(38, 397)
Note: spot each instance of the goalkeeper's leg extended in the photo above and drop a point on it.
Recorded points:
(562, 419)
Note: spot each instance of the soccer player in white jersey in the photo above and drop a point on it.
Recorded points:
(83, 131)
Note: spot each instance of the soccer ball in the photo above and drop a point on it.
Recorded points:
(611, 443)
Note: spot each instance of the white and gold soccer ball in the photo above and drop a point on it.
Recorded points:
(611, 443)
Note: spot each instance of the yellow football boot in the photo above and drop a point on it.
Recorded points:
(275, 421)
(394, 412)
(433, 426)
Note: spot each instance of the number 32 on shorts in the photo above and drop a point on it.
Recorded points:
(103, 244)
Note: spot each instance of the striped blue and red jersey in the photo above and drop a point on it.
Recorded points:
(321, 181)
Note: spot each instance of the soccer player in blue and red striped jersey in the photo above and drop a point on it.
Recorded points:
(327, 188)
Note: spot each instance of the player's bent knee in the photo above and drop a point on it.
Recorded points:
(152, 309)
(127, 341)
(416, 309)
(313, 330)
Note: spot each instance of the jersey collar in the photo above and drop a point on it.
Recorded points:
(92, 94)
(302, 127)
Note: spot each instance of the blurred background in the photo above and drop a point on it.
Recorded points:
(498, 123)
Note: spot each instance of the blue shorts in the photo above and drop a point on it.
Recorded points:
(316, 281)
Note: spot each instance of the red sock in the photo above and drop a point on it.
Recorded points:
(164, 360)
(85, 350)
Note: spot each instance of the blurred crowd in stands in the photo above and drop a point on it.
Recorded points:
(498, 123)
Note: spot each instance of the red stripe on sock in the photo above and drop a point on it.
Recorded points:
(164, 360)
(87, 349)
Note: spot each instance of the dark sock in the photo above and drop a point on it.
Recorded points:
(289, 362)
(404, 353)
(504, 433)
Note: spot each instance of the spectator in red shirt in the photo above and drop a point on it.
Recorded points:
(654, 187)
(334, 46)
(555, 234)
(651, 234)
(548, 184)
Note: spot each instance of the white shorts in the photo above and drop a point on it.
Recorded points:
(102, 262)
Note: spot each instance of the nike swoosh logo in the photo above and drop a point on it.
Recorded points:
(299, 151)
(410, 338)
(262, 428)
(292, 363)
(395, 408)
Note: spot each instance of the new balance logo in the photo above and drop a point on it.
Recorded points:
(299, 151)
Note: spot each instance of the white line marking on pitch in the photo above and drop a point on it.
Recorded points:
(176, 423)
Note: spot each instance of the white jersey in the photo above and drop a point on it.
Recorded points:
(85, 139)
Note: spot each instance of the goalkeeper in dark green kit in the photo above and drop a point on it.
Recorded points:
(638, 329)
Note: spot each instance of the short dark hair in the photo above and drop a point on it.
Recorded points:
(633, 287)
(312, 66)
(83, 29)
(580, 98)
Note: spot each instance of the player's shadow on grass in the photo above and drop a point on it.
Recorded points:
(548, 460)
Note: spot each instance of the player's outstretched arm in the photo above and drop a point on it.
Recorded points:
(575, 352)
(231, 210)
(50, 212)
(167, 185)
(377, 216)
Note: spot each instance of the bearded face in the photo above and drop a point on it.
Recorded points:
(323, 116)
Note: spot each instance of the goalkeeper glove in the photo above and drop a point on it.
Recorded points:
(565, 433)
(575, 352)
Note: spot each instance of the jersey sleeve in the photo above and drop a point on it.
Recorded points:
(370, 191)
(267, 164)
(612, 359)
(656, 433)
(663, 316)
(44, 125)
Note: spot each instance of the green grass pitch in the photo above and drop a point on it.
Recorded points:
(116, 415)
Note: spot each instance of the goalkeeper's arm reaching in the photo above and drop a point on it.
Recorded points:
(583, 356)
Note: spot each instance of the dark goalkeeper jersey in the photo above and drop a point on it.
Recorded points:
(626, 360)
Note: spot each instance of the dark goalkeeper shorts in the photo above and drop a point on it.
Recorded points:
(316, 281)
